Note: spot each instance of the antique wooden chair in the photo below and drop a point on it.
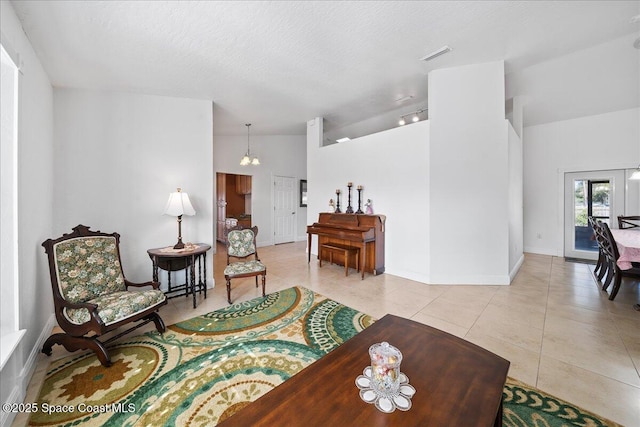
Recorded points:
(90, 292)
(241, 244)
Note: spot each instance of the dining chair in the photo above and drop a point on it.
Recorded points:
(600, 268)
(241, 245)
(612, 254)
(628, 221)
(605, 245)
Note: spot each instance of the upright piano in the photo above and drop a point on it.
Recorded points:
(365, 232)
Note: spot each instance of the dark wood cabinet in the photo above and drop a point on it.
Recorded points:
(243, 184)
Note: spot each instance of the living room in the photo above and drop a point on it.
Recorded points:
(107, 157)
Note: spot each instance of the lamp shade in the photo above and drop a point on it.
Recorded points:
(635, 176)
(179, 204)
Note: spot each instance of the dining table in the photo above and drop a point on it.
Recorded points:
(628, 242)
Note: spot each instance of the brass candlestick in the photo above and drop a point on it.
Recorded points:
(349, 208)
(338, 201)
(359, 211)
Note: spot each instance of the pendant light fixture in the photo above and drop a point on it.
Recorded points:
(635, 175)
(247, 159)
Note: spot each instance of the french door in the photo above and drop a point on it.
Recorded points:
(599, 194)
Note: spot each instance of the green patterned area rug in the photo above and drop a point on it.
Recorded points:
(527, 406)
(205, 369)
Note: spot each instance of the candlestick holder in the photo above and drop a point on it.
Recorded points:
(349, 208)
(338, 202)
(359, 211)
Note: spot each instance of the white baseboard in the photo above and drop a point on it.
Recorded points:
(6, 418)
(19, 387)
(541, 251)
(516, 268)
(30, 366)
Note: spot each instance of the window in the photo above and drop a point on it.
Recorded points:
(9, 333)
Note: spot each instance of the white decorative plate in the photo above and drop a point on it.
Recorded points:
(385, 403)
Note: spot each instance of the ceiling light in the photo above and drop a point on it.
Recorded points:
(415, 116)
(345, 139)
(247, 159)
(432, 55)
(635, 175)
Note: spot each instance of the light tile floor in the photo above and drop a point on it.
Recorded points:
(553, 323)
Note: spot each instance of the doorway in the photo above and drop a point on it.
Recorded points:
(284, 209)
(599, 194)
(233, 202)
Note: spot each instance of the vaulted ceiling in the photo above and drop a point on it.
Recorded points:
(278, 64)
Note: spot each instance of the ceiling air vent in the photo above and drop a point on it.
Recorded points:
(433, 55)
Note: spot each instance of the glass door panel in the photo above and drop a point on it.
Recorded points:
(590, 194)
(591, 198)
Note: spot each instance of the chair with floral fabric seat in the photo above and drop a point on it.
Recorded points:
(241, 244)
(90, 293)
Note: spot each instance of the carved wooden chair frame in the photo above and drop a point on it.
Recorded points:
(262, 271)
(86, 335)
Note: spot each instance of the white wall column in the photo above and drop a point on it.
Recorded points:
(469, 238)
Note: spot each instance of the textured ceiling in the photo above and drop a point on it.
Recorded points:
(278, 64)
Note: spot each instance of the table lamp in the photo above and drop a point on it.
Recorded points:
(178, 205)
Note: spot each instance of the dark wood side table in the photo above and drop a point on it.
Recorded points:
(170, 259)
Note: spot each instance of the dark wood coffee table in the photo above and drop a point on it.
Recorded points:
(457, 384)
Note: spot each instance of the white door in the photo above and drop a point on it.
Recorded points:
(599, 194)
(284, 209)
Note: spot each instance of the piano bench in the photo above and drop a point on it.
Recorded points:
(346, 250)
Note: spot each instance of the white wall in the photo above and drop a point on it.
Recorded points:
(599, 79)
(469, 175)
(600, 142)
(35, 209)
(516, 201)
(451, 187)
(392, 166)
(601, 131)
(117, 158)
(281, 155)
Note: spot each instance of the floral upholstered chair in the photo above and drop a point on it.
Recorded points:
(91, 295)
(241, 244)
